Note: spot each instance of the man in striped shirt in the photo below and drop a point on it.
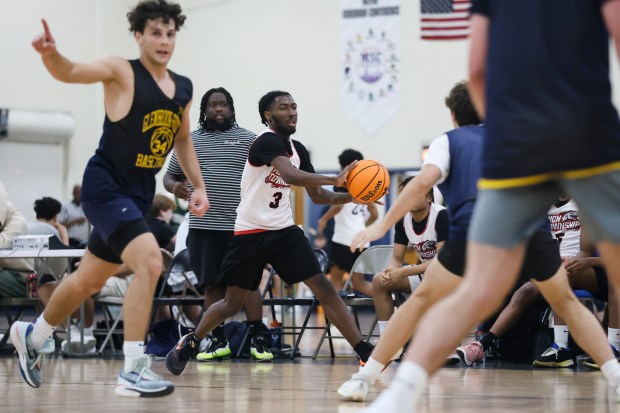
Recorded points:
(222, 148)
(72, 216)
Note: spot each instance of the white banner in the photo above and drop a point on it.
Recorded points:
(371, 61)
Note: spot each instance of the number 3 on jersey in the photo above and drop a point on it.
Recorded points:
(276, 200)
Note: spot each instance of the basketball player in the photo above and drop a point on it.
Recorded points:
(426, 228)
(266, 233)
(146, 112)
(453, 161)
(540, 86)
(222, 149)
(349, 219)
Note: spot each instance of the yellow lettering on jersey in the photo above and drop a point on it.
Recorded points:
(149, 161)
(161, 118)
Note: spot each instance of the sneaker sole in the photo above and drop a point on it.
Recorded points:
(23, 365)
(553, 364)
(463, 358)
(127, 391)
(214, 359)
(591, 365)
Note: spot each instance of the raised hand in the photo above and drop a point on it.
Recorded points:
(44, 43)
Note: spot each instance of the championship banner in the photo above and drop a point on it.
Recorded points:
(371, 61)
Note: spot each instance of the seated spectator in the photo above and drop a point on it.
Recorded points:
(158, 219)
(426, 228)
(47, 210)
(72, 216)
(14, 271)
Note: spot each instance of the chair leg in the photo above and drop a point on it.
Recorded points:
(303, 327)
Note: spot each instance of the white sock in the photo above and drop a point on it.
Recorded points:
(611, 370)
(41, 332)
(132, 350)
(613, 336)
(372, 369)
(411, 378)
(89, 331)
(382, 326)
(560, 336)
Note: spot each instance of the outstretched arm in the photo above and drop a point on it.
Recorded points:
(105, 69)
(611, 14)
(477, 61)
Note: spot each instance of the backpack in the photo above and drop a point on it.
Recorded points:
(164, 335)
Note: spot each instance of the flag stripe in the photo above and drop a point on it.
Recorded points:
(444, 19)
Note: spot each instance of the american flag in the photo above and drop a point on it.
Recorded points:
(444, 19)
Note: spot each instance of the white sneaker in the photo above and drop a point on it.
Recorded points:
(30, 359)
(395, 399)
(75, 346)
(356, 388)
(141, 381)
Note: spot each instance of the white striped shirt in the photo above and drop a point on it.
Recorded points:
(69, 212)
(221, 156)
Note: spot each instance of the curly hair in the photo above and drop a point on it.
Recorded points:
(264, 104)
(153, 10)
(349, 155)
(459, 103)
(47, 208)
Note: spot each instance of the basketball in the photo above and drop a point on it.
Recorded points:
(368, 181)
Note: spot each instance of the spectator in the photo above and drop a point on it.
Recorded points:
(72, 216)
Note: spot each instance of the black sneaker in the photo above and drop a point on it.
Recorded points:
(589, 362)
(217, 350)
(181, 353)
(554, 357)
(259, 349)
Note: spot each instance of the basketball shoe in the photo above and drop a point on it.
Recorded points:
(356, 388)
(471, 353)
(30, 359)
(554, 357)
(181, 353)
(141, 381)
(259, 349)
(217, 350)
(589, 362)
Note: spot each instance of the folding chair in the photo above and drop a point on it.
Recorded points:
(371, 261)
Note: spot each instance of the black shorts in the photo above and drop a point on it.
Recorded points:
(287, 250)
(542, 258)
(206, 252)
(341, 256)
(111, 250)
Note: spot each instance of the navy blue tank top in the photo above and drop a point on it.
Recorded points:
(460, 187)
(132, 150)
(548, 93)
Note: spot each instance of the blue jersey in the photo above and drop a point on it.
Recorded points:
(548, 93)
(132, 150)
(459, 189)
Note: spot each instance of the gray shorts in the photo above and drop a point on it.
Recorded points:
(507, 217)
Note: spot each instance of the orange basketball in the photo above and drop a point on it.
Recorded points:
(368, 181)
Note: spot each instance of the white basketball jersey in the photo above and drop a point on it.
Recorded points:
(424, 243)
(349, 221)
(265, 197)
(566, 227)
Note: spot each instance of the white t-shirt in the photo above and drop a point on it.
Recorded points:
(566, 227)
(349, 221)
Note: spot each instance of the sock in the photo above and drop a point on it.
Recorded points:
(372, 369)
(560, 336)
(611, 370)
(89, 331)
(412, 379)
(256, 328)
(613, 336)
(363, 350)
(382, 326)
(487, 340)
(218, 332)
(132, 350)
(41, 332)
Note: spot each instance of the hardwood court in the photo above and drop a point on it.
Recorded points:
(303, 385)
